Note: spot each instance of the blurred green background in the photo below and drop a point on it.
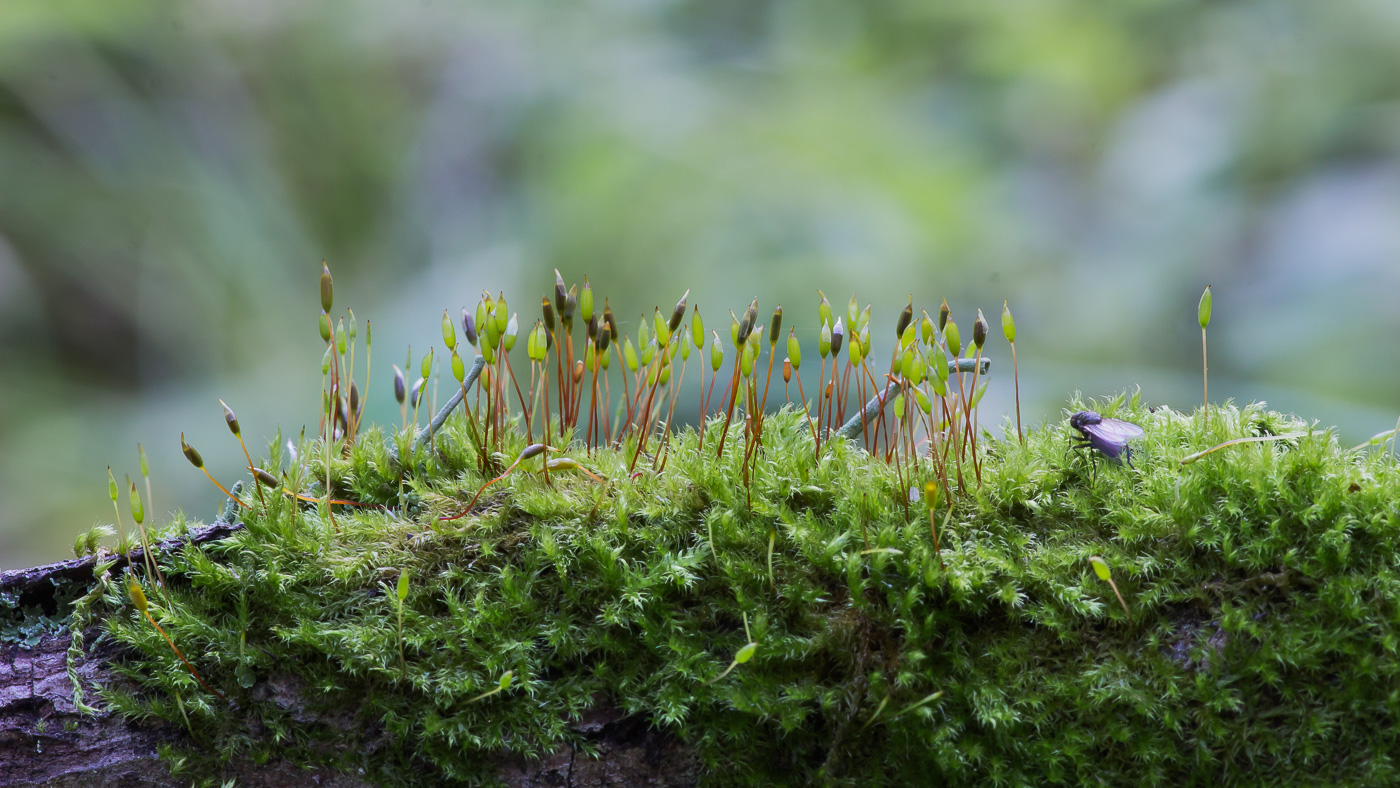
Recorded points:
(172, 174)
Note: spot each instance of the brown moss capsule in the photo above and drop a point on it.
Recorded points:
(678, 314)
(838, 335)
(230, 418)
(787, 370)
(354, 398)
(578, 371)
(943, 312)
(979, 331)
(190, 453)
(601, 342)
(747, 323)
(267, 479)
(468, 327)
(905, 318)
(327, 290)
(608, 318)
(570, 306)
(775, 326)
(548, 310)
(561, 294)
(592, 327)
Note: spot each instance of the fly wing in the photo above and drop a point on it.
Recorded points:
(1122, 430)
(1111, 436)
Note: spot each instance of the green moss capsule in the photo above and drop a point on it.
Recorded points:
(449, 331)
(629, 355)
(663, 329)
(512, 328)
(327, 288)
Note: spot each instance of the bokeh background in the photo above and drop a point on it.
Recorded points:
(172, 174)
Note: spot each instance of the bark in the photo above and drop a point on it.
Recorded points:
(46, 741)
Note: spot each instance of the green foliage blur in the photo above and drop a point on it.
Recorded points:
(174, 173)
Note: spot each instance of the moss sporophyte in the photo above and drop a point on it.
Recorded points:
(472, 586)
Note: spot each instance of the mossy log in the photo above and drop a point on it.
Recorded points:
(46, 740)
(792, 625)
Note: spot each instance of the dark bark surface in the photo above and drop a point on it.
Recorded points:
(45, 740)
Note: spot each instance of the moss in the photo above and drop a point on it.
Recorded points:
(1261, 646)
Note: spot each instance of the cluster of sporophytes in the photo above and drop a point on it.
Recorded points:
(785, 609)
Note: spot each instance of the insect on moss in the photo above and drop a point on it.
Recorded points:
(1108, 437)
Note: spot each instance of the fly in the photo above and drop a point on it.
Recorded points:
(1108, 437)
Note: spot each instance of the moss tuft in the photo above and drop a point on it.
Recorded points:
(1259, 646)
